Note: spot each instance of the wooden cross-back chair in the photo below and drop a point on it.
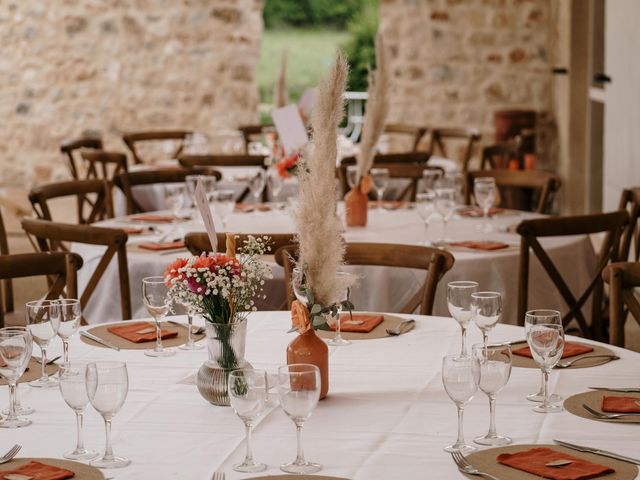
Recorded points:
(414, 133)
(49, 235)
(68, 147)
(59, 267)
(612, 224)
(251, 132)
(496, 157)
(623, 278)
(99, 207)
(125, 181)
(433, 261)
(630, 247)
(440, 136)
(544, 184)
(104, 165)
(198, 242)
(130, 139)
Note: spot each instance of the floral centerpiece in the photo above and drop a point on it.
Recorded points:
(288, 165)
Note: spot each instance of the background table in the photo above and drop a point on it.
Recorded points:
(386, 416)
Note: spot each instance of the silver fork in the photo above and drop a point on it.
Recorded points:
(11, 453)
(588, 357)
(218, 476)
(609, 416)
(465, 467)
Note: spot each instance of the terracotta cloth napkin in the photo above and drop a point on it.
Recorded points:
(159, 246)
(130, 332)
(534, 461)
(570, 350)
(486, 245)
(39, 471)
(250, 207)
(477, 212)
(153, 218)
(369, 322)
(621, 404)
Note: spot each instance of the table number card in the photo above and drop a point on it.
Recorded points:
(305, 104)
(290, 128)
(205, 211)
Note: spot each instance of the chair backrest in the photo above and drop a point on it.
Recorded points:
(68, 147)
(496, 157)
(49, 236)
(440, 136)
(104, 165)
(130, 139)
(544, 184)
(125, 181)
(99, 207)
(630, 201)
(198, 242)
(250, 132)
(415, 133)
(613, 224)
(59, 267)
(433, 261)
(623, 278)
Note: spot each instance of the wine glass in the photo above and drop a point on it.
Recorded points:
(546, 341)
(493, 363)
(257, 183)
(445, 204)
(225, 202)
(15, 352)
(247, 395)
(459, 304)
(424, 206)
(456, 181)
(380, 178)
(430, 179)
(190, 345)
(43, 321)
(299, 391)
(460, 380)
(352, 176)
(70, 314)
(484, 190)
(338, 340)
(533, 317)
(19, 408)
(155, 295)
(275, 183)
(174, 198)
(487, 310)
(208, 182)
(74, 392)
(107, 386)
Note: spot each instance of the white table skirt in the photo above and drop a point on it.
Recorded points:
(387, 415)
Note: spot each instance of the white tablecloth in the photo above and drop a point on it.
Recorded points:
(387, 415)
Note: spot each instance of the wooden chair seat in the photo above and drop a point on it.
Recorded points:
(130, 139)
(623, 278)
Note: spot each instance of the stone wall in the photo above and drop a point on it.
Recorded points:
(110, 66)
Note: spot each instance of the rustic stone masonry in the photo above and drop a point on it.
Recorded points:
(68, 66)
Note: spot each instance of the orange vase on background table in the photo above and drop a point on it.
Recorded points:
(356, 205)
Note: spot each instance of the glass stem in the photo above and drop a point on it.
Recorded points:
(43, 365)
(12, 402)
(65, 352)
(300, 455)
(190, 335)
(486, 218)
(545, 387)
(541, 390)
(338, 326)
(380, 192)
(485, 340)
(460, 440)
(248, 458)
(158, 336)
(463, 350)
(79, 421)
(492, 413)
(108, 451)
(444, 229)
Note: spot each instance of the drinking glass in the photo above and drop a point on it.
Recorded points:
(430, 179)
(460, 380)
(424, 206)
(275, 183)
(190, 345)
(70, 314)
(225, 202)
(484, 189)
(459, 304)
(257, 183)
(338, 340)
(74, 392)
(174, 198)
(487, 310)
(493, 363)
(208, 182)
(542, 316)
(247, 395)
(107, 386)
(456, 181)
(155, 295)
(380, 178)
(445, 204)
(546, 341)
(15, 352)
(43, 321)
(299, 391)
(352, 176)
(19, 408)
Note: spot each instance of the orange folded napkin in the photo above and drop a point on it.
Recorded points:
(144, 217)
(535, 460)
(486, 245)
(250, 207)
(570, 350)
(621, 404)
(159, 246)
(477, 212)
(39, 471)
(140, 332)
(360, 323)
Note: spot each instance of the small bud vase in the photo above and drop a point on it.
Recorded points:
(309, 348)
(356, 204)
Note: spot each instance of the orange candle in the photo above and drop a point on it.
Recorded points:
(529, 161)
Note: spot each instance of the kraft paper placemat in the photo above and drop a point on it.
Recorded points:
(526, 362)
(390, 321)
(485, 461)
(34, 372)
(573, 404)
(82, 471)
(102, 332)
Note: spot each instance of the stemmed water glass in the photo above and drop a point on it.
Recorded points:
(70, 314)
(546, 341)
(459, 304)
(257, 183)
(225, 202)
(424, 206)
(247, 395)
(542, 316)
(107, 386)
(484, 190)
(74, 392)
(445, 204)
(275, 183)
(493, 363)
(190, 345)
(15, 352)
(43, 321)
(338, 340)
(299, 391)
(19, 408)
(380, 178)
(208, 182)
(155, 295)
(430, 179)
(174, 198)
(487, 310)
(460, 380)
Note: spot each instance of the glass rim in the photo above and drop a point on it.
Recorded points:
(463, 284)
(538, 312)
(68, 301)
(487, 294)
(153, 279)
(12, 331)
(40, 303)
(305, 368)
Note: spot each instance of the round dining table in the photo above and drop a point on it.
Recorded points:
(387, 415)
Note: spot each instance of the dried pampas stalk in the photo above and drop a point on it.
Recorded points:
(280, 95)
(319, 228)
(376, 109)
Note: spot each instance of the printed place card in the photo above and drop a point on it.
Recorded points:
(205, 211)
(290, 128)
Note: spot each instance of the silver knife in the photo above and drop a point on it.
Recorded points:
(613, 389)
(99, 340)
(597, 451)
(515, 342)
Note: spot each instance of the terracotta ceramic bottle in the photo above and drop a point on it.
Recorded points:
(356, 203)
(309, 348)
